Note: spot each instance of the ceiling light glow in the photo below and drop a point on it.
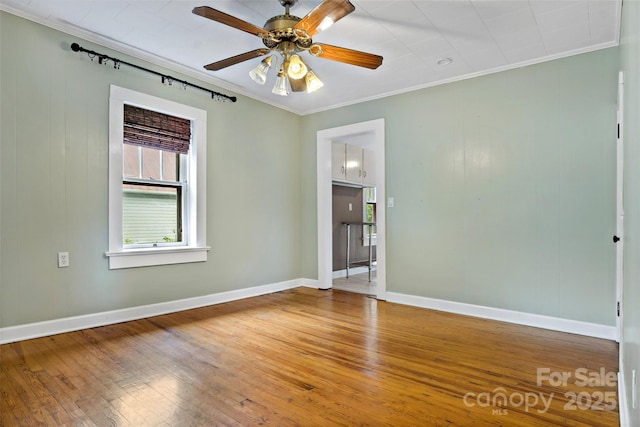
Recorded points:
(313, 82)
(296, 69)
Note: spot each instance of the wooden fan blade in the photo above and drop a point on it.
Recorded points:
(324, 15)
(348, 56)
(219, 65)
(298, 85)
(232, 21)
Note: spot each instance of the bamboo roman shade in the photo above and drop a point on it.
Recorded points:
(160, 131)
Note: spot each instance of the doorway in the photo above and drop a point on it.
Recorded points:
(370, 135)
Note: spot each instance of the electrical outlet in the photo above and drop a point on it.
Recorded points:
(63, 259)
(390, 202)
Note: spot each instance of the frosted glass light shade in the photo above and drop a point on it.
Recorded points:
(259, 74)
(313, 82)
(280, 88)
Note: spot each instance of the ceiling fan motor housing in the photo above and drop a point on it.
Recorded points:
(281, 29)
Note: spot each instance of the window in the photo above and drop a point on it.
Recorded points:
(157, 166)
(369, 198)
(155, 177)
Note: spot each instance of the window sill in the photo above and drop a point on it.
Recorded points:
(130, 258)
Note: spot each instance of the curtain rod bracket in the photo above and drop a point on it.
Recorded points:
(104, 59)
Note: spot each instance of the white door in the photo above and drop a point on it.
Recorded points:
(618, 239)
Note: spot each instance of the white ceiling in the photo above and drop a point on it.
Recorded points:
(480, 36)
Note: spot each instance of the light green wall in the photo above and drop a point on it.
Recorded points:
(504, 188)
(53, 185)
(630, 53)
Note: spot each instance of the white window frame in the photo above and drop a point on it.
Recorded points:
(195, 234)
(365, 236)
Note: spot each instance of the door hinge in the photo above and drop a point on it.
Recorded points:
(618, 130)
(618, 308)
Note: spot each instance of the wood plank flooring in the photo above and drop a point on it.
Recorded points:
(308, 358)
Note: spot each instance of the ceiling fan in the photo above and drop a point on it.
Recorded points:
(288, 35)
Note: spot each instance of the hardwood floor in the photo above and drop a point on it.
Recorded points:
(308, 358)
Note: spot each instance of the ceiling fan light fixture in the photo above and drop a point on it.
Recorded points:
(280, 88)
(296, 69)
(313, 82)
(285, 36)
(259, 74)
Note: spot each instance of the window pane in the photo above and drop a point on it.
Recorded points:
(370, 213)
(169, 171)
(131, 161)
(370, 194)
(150, 214)
(370, 216)
(150, 163)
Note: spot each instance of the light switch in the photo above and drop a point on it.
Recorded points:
(350, 207)
(390, 202)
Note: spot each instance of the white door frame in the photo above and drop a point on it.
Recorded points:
(619, 208)
(374, 131)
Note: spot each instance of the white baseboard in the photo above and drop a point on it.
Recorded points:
(310, 283)
(520, 318)
(623, 406)
(68, 324)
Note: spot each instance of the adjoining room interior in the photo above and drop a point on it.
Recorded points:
(175, 234)
(354, 251)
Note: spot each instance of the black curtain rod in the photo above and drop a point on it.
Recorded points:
(103, 59)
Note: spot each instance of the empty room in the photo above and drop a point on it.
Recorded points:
(319, 212)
